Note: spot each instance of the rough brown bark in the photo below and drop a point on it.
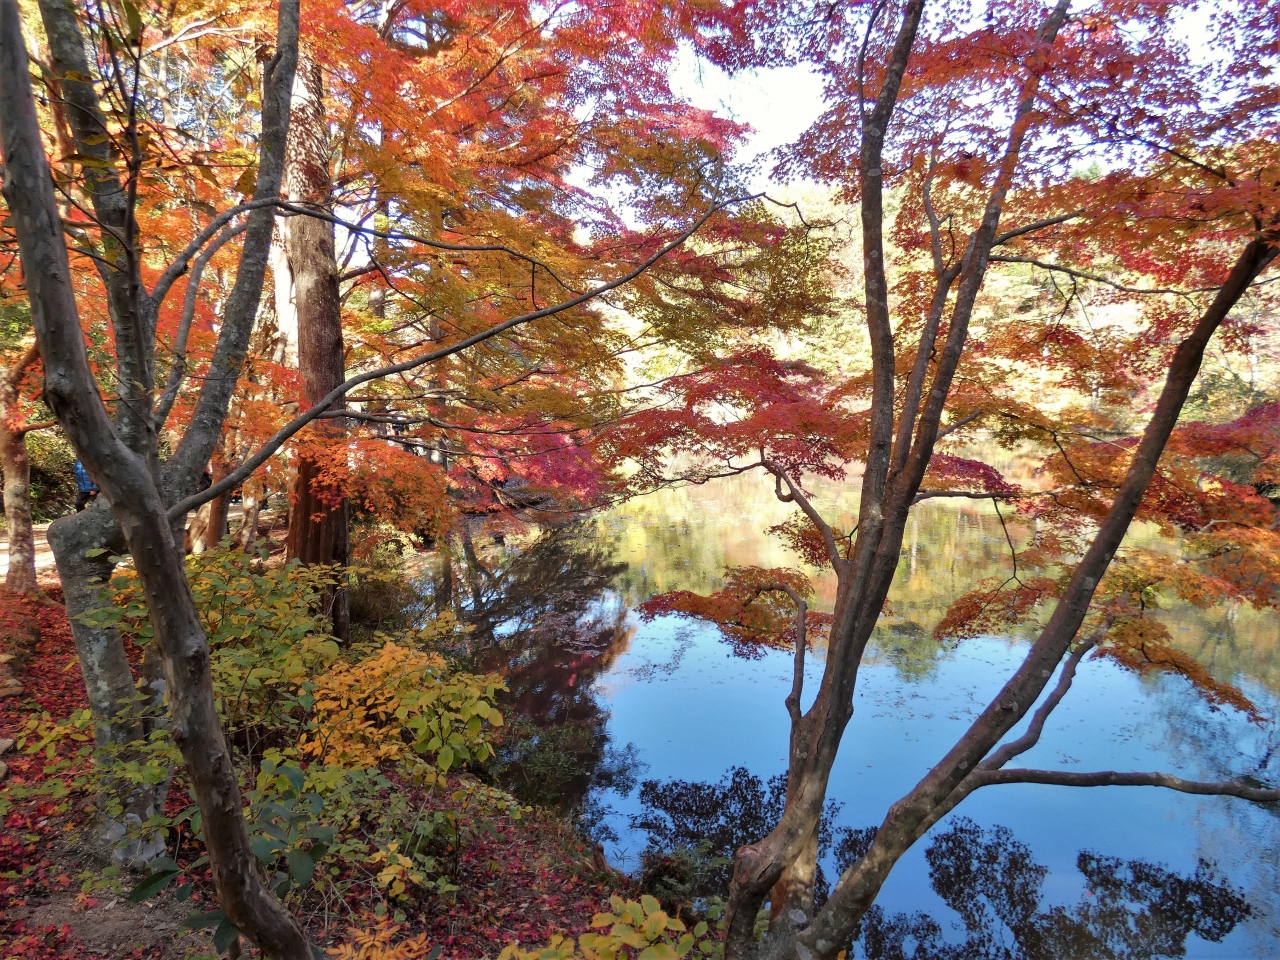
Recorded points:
(215, 525)
(16, 468)
(815, 737)
(129, 485)
(318, 526)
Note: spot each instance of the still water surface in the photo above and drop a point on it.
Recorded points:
(1124, 871)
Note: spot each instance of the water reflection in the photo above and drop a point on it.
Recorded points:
(541, 613)
(549, 609)
(988, 879)
(1129, 910)
(694, 828)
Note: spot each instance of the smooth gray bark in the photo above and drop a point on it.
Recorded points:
(130, 486)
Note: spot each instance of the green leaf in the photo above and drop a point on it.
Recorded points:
(225, 935)
(202, 921)
(264, 848)
(152, 885)
(444, 760)
(135, 21)
(301, 867)
(99, 551)
(297, 779)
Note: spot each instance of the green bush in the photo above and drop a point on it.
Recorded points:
(352, 758)
(53, 481)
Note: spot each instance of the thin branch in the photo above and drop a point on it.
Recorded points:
(1008, 538)
(828, 535)
(797, 670)
(962, 422)
(1032, 736)
(241, 473)
(987, 494)
(1242, 787)
(179, 265)
(1034, 226)
(1096, 278)
(178, 367)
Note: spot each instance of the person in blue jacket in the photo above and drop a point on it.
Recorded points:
(86, 489)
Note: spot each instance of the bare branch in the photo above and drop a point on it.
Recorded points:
(1034, 226)
(179, 265)
(962, 422)
(1029, 739)
(1242, 787)
(33, 427)
(797, 670)
(1096, 278)
(178, 367)
(988, 494)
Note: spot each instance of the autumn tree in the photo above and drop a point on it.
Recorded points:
(152, 176)
(457, 147)
(965, 143)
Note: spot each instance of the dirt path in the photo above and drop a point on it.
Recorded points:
(44, 554)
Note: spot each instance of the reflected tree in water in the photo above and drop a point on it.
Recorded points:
(694, 828)
(542, 613)
(1130, 910)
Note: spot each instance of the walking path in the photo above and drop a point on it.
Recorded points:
(44, 555)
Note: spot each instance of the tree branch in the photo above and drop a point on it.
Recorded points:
(1240, 787)
(962, 422)
(179, 265)
(987, 494)
(796, 494)
(178, 368)
(1034, 226)
(1029, 739)
(1096, 278)
(241, 473)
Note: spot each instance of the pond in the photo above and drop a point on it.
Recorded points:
(662, 734)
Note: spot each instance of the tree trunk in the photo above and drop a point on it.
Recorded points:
(252, 506)
(318, 524)
(215, 519)
(16, 468)
(130, 485)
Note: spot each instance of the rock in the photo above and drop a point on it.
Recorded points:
(11, 689)
(6, 744)
(4, 769)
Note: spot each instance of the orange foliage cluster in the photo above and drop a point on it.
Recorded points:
(752, 608)
(1144, 645)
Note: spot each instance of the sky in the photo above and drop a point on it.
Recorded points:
(779, 104)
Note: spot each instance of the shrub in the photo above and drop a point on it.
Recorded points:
(348, 755)
(634, 929)
(53, 482)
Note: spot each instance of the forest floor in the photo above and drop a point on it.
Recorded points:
(525, 881)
